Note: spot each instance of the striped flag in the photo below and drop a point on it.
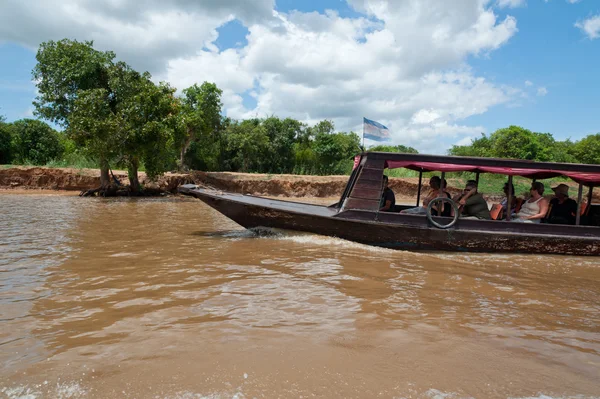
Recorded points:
(375, 130)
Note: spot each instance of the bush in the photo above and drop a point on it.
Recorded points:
(36, 142)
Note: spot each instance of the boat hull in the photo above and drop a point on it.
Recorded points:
(394, 231)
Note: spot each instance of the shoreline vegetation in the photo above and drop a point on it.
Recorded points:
(110, 117)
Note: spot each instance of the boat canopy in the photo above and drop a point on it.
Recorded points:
(588, 179)
(588, 175)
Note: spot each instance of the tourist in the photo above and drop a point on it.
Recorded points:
(563, 210)
(513, 206)
(435, 184)
(446, 208)
(535, 208)
(472, 203)
(388, 199)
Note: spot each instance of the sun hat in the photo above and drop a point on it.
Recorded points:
(561, 189)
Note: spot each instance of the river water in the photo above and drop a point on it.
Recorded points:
(165, 298)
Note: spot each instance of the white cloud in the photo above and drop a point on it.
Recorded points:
(573, 1)
(542, 91)
(511, 3)
(145, 36)
(590, 26)
(403, 63)
(528, 83)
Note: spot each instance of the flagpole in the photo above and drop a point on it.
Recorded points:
(363, 146)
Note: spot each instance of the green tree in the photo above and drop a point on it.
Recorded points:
(333, 151)
(147, 112)
(200, 117)
(6, 142)
(479, 147)
(587, 150)
(564, 151)
(282, 136)
(394, 148)
(95, 127)
(35, 142)
(248, 143)
(65, 71)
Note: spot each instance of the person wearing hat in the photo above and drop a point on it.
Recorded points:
(563, 210)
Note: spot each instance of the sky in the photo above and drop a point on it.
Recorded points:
(436, 73)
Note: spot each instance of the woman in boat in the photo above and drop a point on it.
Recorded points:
(508, 188)
(435, 183)
(535, 208)
(446, 209)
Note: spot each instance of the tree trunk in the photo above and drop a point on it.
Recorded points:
(104, 175)
(132, 171)
(184, 148)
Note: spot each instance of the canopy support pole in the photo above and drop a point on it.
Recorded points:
(419, 189)
(589, 197)
(579, 198)
(509, 199)
(477, 179)
(442, 181)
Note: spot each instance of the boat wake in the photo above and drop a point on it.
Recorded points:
(76, 391)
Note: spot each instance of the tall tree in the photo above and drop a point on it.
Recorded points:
(200, 116)
(95, 127)
(149, 112)
(65, 71)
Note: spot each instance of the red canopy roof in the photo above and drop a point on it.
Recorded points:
(580, 177)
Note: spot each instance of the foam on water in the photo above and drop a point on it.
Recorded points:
(76, 391)
(38, 391)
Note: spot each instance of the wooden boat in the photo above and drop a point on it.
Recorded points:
(356, 216)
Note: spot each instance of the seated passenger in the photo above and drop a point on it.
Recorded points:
(504, 203)
(472, 203)
(446, 208)
(388, 199)
(435, 184)
(535, 208)
(563, 210)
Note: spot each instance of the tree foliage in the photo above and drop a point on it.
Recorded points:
(587, 150)
(63, 70)
(35, 142)
(394, 148)
(199, 118)
(6, 142)
(519, 143)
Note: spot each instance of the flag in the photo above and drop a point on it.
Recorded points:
(375, 130)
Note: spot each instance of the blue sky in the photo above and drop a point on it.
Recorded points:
(551, 52)
(538, 69)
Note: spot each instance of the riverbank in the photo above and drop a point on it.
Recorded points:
(46, 180)
(22, 178)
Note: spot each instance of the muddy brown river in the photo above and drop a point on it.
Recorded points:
(165, 298)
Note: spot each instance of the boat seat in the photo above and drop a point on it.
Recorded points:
(496, 212)
(585, 209)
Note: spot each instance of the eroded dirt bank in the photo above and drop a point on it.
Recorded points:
(41, 178)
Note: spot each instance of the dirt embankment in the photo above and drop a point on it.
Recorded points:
(67, 179)
(76, 180)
